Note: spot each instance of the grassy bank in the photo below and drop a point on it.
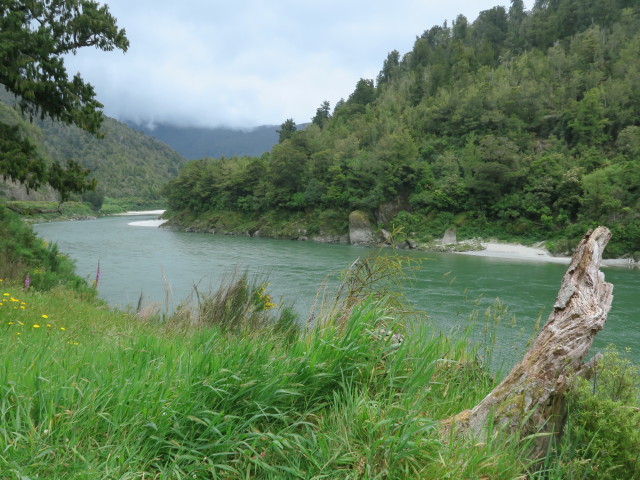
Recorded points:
(34, 212)
(327, 223)
(126, 204)
(91, 393)
(425, 231)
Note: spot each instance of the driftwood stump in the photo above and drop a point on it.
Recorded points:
(531, 399)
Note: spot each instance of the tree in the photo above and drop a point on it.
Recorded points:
(490, 33)
(287, 129)
(516, 38)
(322, 114)
(19, 158)
(70, 179)
(34, 37)
(389, 67)
(364, 94)
(531, 400)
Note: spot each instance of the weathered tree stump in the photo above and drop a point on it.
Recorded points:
(531, 399)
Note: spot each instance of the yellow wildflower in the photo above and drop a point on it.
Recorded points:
(45, 316)
(35, 325)
(6, 294)
(62, 328)
(10, 323)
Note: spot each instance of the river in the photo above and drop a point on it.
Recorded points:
(136, 258)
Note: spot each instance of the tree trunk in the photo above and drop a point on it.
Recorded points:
(531, 399)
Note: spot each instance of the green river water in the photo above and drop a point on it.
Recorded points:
(134, 259)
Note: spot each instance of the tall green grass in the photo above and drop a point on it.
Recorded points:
(109, 397)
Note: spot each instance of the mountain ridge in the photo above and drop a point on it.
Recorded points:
(212, 142)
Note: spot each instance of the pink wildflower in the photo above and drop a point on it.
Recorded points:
(97, 276)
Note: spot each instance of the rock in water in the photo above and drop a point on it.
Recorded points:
(412, 244)
(360, 229)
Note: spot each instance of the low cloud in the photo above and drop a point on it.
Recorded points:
(250, 62)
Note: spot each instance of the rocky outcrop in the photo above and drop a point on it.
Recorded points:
(388, 210)
(14, 191)
(449, 236)
(411, 243)
(360, 233)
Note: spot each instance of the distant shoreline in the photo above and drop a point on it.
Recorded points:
(137, 213)
(521, 252)
(491, 249)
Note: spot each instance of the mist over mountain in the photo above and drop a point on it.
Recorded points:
(198, 142)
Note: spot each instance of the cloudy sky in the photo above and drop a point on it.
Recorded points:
(246, 63)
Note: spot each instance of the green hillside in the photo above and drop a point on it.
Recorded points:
(517, 125)
(125, 163)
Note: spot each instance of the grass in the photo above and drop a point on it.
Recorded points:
(98, 394)
(94, 393)
(33, 211)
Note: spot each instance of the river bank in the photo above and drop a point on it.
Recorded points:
(137, 213)
(473, 247)
(515, 251)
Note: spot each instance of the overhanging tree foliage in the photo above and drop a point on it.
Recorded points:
(34, 37)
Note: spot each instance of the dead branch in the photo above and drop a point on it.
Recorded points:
(531, 399)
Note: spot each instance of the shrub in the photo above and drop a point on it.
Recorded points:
(602, 437)
(22, 253)
(240, 304)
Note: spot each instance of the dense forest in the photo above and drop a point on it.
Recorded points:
(520, 124)
(125, 163)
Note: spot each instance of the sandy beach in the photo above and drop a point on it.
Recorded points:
(522, 252)
(137, 213)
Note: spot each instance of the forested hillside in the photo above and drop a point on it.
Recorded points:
(124, 162)
(518, 124)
